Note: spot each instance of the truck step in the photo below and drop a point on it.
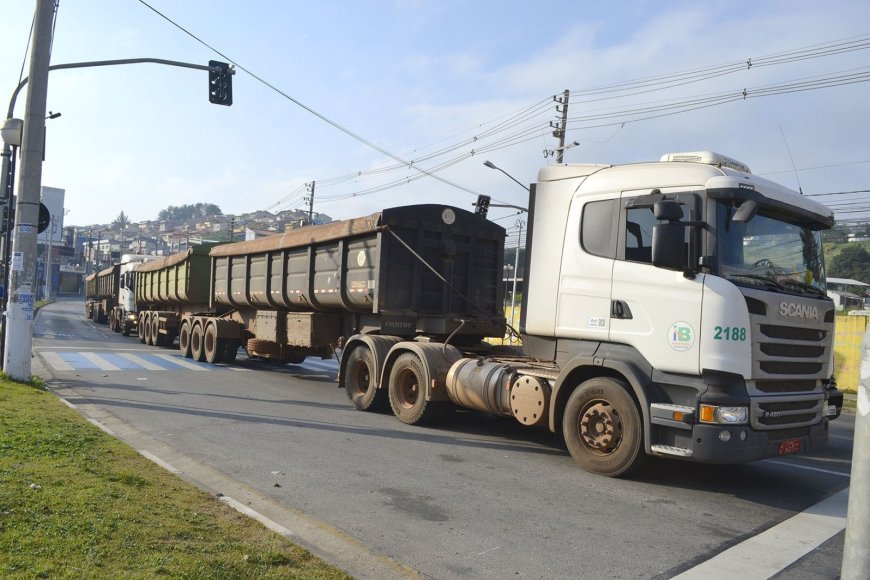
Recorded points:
(670, 450)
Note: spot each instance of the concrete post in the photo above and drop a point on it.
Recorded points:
(856, 551)
(22, 281)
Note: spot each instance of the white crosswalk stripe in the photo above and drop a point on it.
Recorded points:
(140, 361)
(177, 360)
(57, 362)
(101, 363)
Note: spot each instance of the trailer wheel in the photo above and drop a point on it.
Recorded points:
(359, 380)
(407, 390)
(212, 346)
(149, 337)
(113, 322)
(184, 339)
(231, 349)
(603, 429)
(196, 343)
(156, 338)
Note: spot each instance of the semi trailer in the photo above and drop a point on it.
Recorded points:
(673, 309)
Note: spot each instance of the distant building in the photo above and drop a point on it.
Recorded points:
(845, 293)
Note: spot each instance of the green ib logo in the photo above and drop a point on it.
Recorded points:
(681, 336)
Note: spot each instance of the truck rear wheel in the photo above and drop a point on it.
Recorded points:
(184, 339)
(603, 429)
(359, 380)
(143, 322)
(196, 343)
(156, 338)
(212, 346)
(407, 390)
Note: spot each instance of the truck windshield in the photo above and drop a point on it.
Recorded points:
(770, 252)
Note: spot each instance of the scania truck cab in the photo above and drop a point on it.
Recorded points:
(124, 316)
(683, 305)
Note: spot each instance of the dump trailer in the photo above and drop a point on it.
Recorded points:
(169, 289)
(298, 294)
(101, 293)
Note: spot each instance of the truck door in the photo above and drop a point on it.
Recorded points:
(583, 305)
(656, 311)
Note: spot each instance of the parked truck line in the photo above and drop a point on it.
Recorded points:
(672, 309)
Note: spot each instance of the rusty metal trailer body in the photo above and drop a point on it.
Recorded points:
(302, 293)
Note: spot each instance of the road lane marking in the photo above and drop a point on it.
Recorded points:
(56, 361)
(807, 467)
(102, 364)
(775, 549)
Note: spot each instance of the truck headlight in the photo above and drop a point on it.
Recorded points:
(724, 415)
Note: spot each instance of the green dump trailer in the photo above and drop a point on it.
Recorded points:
(101, 293)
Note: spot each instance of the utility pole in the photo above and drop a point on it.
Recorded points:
(520, 224)
(310, 200)
(232, 229)
(22, 279)
(562, 127)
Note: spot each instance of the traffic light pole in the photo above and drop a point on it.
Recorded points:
(18, 326)
(22, 269)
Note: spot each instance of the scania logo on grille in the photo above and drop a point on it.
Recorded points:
(793, 310)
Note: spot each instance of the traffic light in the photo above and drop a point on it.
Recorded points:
(482, 205)
(220, 83)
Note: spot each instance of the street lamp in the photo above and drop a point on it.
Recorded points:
(492, 165)
(560, 150)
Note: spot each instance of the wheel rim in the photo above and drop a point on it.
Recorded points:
(360, 377)
(407, 388)
(600, 427)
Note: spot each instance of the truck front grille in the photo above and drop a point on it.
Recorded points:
(791, 358)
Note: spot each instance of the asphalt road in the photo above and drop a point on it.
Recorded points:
(476, 498)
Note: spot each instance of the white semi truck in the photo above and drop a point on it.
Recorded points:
(673, 309)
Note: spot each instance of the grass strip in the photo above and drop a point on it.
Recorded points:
(77, 503)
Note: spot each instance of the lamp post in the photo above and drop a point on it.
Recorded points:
(492, 165)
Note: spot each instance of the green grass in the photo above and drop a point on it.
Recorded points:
(77, 503)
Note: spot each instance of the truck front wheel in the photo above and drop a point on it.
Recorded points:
(602, 428)
(359, 380)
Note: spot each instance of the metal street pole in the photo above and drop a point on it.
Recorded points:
(856, 551)
(520, 224)
(19, 337)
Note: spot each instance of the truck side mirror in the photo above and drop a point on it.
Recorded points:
(668, 239)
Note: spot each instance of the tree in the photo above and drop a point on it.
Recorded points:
(188, 211)
(853, 262)
(121, 222)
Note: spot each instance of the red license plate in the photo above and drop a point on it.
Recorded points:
(789, 446)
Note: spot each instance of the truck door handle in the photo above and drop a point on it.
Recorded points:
(619, 309)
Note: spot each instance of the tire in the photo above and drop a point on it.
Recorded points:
(184, 339)
(113, 322)
(156, 338)
(197, 353)
(149, 337)
(407, 391)
(140, 327)
(359, 381)
(212, 347)
(125, 327)
(603, 429)
(231, 349)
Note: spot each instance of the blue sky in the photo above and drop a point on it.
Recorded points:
(415, 76)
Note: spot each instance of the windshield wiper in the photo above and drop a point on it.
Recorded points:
(766, 279)
(805, 286)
